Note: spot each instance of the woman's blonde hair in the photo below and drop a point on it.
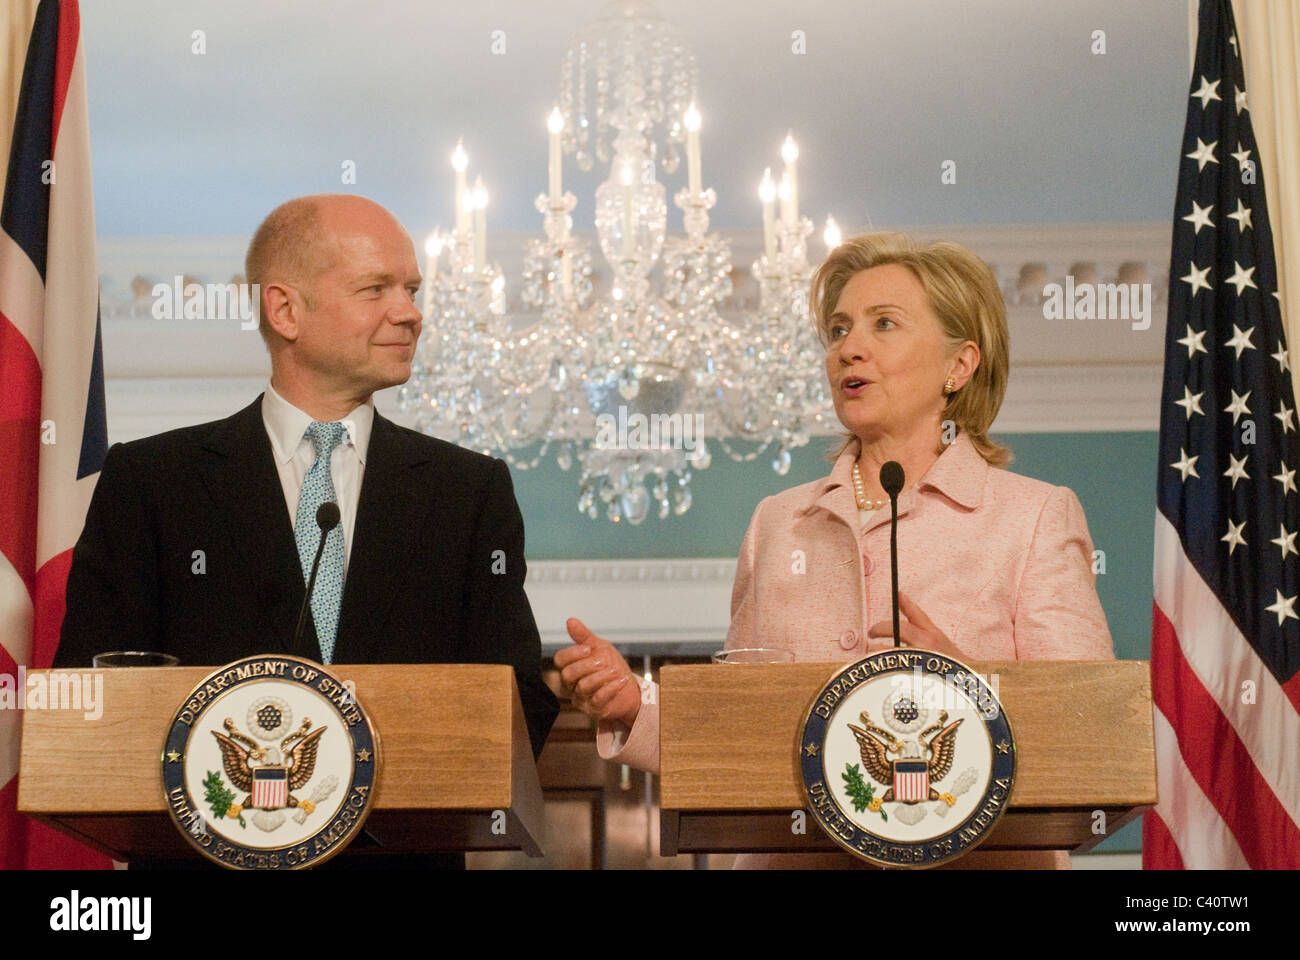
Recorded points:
(963, 295)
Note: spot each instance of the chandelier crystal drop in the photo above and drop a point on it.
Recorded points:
(633, 381)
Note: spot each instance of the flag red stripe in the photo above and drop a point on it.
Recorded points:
(7, 664)
(69, 36)
(48, 849)
(1159, 852)
(1292, 690)
(51, 603)
(21, 397)
(1217, 758)
(13, 829)
(20, 426)
(13, 825)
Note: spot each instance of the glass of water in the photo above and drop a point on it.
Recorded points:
(754, 655)
(133, 658)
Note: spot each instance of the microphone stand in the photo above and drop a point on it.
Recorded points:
(327, 518)
(891, 481)
(893, 562)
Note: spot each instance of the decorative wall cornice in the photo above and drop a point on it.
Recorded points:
(569, 572)
(1067, 375)
(661, 605)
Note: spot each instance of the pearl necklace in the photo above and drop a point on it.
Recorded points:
(860, 492)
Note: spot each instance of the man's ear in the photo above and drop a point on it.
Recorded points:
(283, 308)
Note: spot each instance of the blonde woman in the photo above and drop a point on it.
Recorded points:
(992, 565)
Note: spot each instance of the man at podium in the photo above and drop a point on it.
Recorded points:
(992, 565)
(198, 542)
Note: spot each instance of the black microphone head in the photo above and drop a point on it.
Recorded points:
(327, 516)
(891, 477)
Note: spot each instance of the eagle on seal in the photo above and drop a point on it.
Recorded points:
(939, 752)
(237, 750)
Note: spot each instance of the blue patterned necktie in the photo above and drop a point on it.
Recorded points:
(318, 488)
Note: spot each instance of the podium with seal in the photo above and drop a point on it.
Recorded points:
(905, 758)
(274, 762)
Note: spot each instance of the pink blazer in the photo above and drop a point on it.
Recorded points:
(1000, 562)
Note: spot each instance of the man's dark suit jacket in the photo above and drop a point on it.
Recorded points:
(420, 585)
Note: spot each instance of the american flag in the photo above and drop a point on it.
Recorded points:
(1225, 639)
(53, 435)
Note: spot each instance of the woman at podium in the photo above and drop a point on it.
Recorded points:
(992, 565)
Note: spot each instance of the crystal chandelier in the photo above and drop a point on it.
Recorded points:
(632, 380)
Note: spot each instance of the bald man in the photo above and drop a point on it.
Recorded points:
(427, 563)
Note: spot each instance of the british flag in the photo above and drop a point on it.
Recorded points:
(53, 436)
(1225, 641)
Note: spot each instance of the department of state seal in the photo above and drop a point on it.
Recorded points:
(270, 763)
(907, 758)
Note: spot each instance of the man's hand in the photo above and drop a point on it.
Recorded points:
(915, 629)
(597, 678)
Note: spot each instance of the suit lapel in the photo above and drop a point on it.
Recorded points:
(238, 470)
(387, 532)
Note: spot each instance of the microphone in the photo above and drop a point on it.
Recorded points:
(327, 518)
(891, 481)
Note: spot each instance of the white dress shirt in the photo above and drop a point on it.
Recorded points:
(286, 426)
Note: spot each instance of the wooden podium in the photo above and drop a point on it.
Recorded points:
(730, 777)
(455, 750)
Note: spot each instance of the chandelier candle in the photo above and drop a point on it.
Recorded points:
(790, 204)
(432, 250)
(555, 125)
(480, 225)
(693, 149)
(767, 193)
(459, 163)
(831, 235)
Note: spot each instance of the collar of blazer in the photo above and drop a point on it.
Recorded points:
(959, 474)
(248, 501)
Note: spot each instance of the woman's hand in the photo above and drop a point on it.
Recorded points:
(598, 679)
(915, 629)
